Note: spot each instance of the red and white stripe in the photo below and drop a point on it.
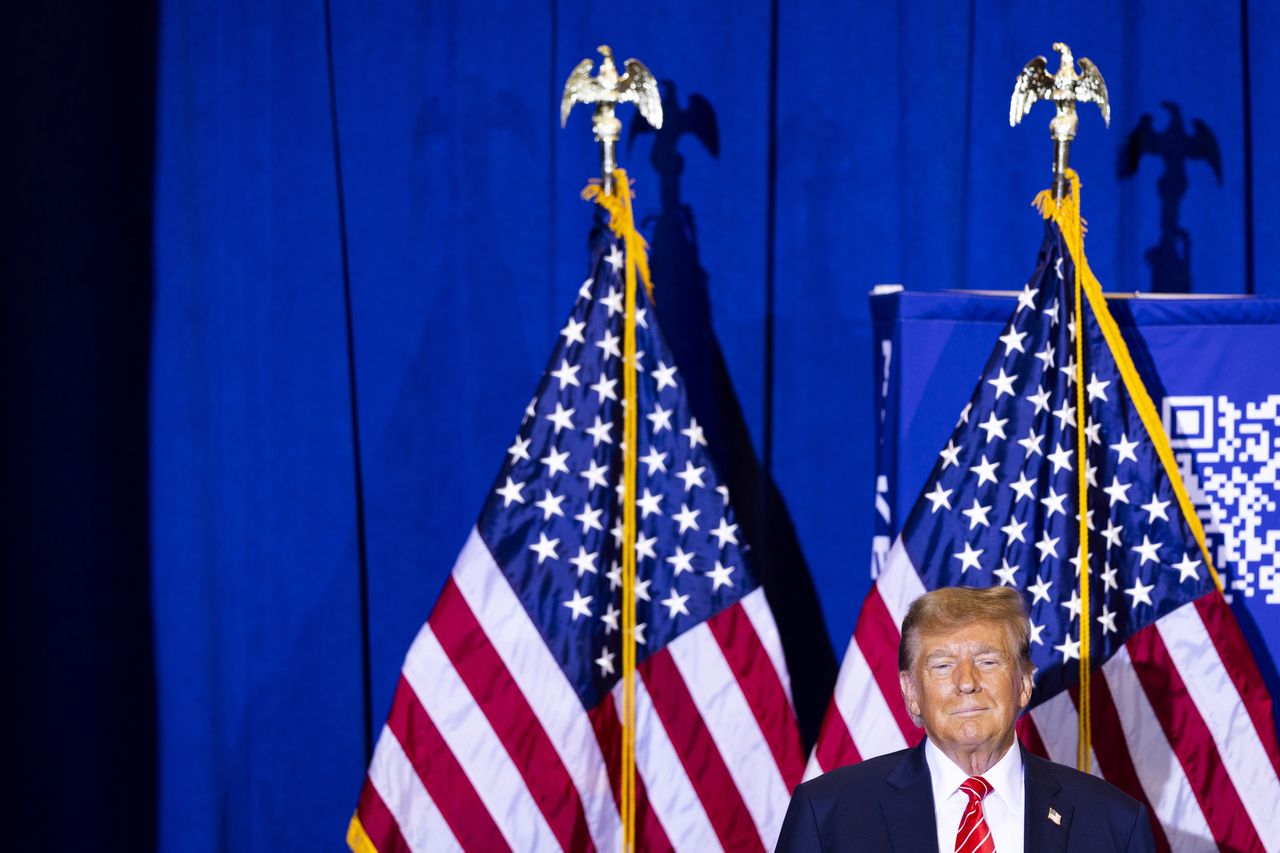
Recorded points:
(867, 716)
(487, 745)
(1181, 718)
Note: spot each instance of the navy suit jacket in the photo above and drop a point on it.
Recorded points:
(886, 804)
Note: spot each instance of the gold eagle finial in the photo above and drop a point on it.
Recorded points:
(1065, 89)
(636, 85)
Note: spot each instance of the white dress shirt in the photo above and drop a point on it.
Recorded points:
(1003, 807)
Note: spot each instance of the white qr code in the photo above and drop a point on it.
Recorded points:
(1229, 457)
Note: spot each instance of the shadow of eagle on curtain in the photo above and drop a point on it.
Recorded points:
(1170, 258)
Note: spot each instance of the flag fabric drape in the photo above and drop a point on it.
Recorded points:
(504, 730)
(1179, 716)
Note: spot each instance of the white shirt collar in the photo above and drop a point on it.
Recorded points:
(1005, 776)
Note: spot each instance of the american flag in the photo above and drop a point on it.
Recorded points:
(1180, 717)
(504, 730)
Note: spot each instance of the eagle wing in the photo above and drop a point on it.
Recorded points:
(580, 88)
(1091, 87)
(1142, 140)
(1033, 84)
(1204, 146)
(701, 119)
(639, 87)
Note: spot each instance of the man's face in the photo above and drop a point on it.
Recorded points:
(967, 688)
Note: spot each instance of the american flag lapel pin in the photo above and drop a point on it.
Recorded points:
(1054, 816)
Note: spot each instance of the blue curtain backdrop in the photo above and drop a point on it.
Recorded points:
(364, 231)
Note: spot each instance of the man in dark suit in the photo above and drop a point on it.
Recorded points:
(965, 671)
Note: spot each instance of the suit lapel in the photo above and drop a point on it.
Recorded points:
(908, 808)
(1043, 793)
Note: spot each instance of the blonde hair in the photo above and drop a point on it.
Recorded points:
(951, 607)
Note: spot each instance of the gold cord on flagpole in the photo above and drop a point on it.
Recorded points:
(1082, 453)
(1065, 89)
(607, 90)
(1073, 224)
(622, 223)
(631, 403)
(1066, 213)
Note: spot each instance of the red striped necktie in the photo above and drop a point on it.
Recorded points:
(974, 836)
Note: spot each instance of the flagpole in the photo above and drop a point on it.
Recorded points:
(606, 90)
(631, 405)
(1065, 212)
(1082, 492)
(1065, 89)
(622, 223)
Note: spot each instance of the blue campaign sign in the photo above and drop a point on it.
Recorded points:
(1209, 365)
